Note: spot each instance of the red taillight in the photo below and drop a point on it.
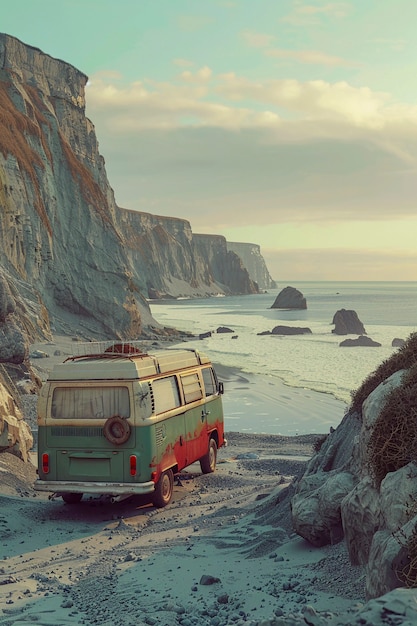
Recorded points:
(133, 465)
(45, 463)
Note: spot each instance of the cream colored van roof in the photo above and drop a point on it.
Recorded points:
(124, 361)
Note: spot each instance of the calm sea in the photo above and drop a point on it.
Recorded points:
(316, 362)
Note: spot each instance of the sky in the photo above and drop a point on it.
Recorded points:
(287, 123)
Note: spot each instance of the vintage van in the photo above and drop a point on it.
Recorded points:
(118, 422)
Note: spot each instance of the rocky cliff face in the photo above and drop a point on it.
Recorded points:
(168, 260)
(73, 252)
(361, 485)
(57, 221)
(250, 253)
(226, 267)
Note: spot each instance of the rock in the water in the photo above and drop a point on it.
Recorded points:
(290, 330)
(366, 342)
(290, 298)
(347, 323)
(397, 342)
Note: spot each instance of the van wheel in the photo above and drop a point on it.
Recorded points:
(72, 498)
(163, 489)
(208, 462)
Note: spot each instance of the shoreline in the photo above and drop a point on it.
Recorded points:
(266, 405)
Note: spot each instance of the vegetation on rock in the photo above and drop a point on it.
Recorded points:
(393, 442)
(403, 359)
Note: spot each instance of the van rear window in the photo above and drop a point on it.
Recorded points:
(90, 402)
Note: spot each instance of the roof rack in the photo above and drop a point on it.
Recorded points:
(109, 348)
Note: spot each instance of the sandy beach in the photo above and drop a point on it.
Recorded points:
(223, 552)
(223, 548)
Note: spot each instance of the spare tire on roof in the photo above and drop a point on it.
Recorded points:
(117, 430)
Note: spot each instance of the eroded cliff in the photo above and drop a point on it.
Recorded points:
(65, 241)
(251, 256)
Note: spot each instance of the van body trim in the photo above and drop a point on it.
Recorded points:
(66, 486)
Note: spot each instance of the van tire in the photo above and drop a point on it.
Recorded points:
(72, 498)
(208, 462)
(116, 430)
(163, 489)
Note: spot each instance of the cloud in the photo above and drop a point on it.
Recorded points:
(257, 40)
(292, 107)
(304, 14)
(183, 63)
(310, 57)
(217, 179)
(315, 99)
(202, 75)
(193, 23)
(222, 149)
(334, 9)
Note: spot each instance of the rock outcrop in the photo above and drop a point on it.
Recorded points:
(360, 485)
(347, 323)
(73, 252)
(363, 341)
(15, 434)
(290, 298)
(287, 330)
(252, 259)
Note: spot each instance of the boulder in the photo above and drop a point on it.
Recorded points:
(397, 342)
(363, 341)
(361, 518)
(317, 517)
(387, 553)
(205, 335)
(373, 450)
(290, 298)
(14, 343)
(290, 330)
(347, 323)
(224, 329)
(15, 434)
(396, 607)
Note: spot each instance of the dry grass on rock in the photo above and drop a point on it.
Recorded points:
(404, 358)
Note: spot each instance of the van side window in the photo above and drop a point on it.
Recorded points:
(209, 381)
(90, 402)
(165, 393)
(191, 387)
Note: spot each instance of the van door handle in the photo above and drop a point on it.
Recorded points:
(204, 414)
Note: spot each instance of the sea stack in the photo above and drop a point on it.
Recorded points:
(290, 298)
(347, 323)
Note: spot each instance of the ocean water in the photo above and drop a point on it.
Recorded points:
(312, 362)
